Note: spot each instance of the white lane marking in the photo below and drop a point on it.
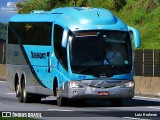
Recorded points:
(10, 93)
(58, 110)
(134, 118)
(147, 98)
(154, 108)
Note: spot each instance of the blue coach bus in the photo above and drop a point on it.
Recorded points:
(73, 53)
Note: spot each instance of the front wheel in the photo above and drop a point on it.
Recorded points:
(61, 101)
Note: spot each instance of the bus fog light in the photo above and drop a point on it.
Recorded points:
(74, 92)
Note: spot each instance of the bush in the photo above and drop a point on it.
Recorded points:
(119, 4)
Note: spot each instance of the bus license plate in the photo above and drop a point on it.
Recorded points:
(103, 93)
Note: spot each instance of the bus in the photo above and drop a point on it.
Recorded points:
(64, 53)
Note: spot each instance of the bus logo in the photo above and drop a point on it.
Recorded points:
(28, 27)
(38, 55)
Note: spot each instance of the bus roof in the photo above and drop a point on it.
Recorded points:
(74, 17)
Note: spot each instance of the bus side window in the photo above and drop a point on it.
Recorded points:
(60, 52)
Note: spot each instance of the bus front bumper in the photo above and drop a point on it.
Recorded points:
(99, 89)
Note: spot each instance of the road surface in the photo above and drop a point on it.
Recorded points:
(138, 108)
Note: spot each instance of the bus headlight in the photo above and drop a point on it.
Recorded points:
(74, 84)
(128, 84)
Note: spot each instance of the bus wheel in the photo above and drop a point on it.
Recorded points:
(24, 93)
(19, 92)
(61, 101)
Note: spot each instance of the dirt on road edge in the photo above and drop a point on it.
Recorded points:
(3, 71)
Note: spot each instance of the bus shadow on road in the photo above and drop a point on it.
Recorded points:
(107, 103)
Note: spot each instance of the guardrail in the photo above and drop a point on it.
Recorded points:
(147, 62)
(147, 72)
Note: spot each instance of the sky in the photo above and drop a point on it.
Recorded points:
(7, 9)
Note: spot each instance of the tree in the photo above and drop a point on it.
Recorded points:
(28, 6)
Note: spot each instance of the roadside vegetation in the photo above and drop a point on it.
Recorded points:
(141, 14)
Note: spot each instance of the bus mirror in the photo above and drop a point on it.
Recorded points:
(136, 36)
(64, 38)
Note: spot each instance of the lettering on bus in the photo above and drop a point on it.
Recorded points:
(38, 55)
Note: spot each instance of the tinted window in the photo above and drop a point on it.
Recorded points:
(60, 51)
(11, 35)
(101, 52)
(30, 33)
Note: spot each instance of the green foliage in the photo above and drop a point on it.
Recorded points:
(27, 7)
(114, 5)
(141, 14)
(145, 16)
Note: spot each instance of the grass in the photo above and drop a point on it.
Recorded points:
(146, 20)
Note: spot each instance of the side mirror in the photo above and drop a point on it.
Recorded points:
(64, 37)
(136, 36)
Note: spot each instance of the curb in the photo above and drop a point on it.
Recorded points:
(146, 95)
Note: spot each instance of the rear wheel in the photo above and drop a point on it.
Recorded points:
(19, 92)
(29, 97)
(25, 95)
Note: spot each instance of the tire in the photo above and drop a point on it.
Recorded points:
(19, 92)
(25, 95)
(28, 98)
(61, 101)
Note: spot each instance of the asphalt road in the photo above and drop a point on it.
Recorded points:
(138, 108)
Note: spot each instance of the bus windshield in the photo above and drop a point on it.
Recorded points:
(101, 53)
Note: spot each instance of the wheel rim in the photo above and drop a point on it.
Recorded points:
(24, 92)
(18, 90)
